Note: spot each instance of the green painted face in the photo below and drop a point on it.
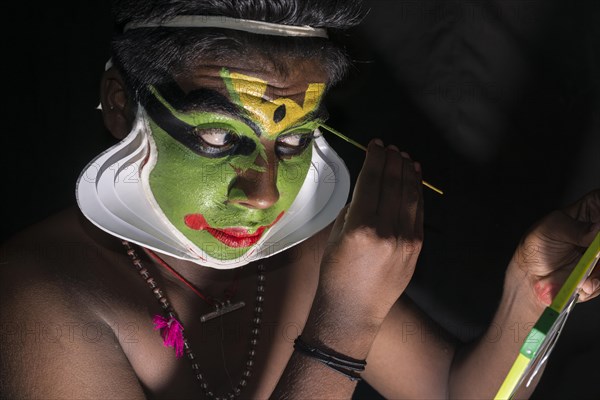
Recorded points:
(224, 177)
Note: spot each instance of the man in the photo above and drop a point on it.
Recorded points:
(220, 165)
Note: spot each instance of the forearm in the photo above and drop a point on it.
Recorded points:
(479, 368)
(371, 255)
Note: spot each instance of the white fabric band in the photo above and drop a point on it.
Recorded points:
(206, 21)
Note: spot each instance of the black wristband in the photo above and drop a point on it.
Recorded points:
(350, 367)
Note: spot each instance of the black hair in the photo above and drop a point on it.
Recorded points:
(149, 56)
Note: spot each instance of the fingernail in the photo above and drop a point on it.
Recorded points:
(393, 148)
(405, 154)
(378, 142)
(417, 166)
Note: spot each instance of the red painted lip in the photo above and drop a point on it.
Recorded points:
(232, 237)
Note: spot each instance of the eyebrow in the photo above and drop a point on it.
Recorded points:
(199, 100)
(202, 99)
(213, 101)
(210, 100)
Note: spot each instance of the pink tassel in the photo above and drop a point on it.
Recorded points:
(171, 332)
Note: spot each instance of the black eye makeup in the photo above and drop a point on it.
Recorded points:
(215, 142)
(222, 138)
(212, 141)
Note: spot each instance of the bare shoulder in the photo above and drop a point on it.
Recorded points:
(57, 342)
(63, 256)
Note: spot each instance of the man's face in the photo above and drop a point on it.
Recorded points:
(234, 145)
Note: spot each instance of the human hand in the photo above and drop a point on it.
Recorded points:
(554, 245)
(375, 241)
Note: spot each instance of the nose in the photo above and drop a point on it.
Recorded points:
(256, 188)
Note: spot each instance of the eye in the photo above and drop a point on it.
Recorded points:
(215, 141)
(293, 144)
(291, 140)
(216, 137)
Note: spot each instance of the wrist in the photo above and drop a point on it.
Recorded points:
(348, 366)
(520, 289)
(343, 329)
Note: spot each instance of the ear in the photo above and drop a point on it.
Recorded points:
(117, 110)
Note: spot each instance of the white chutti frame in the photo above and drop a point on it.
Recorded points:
(114, 194)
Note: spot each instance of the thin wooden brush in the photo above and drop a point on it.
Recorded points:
(360, 146)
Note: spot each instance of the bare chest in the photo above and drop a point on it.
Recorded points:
(246, 349)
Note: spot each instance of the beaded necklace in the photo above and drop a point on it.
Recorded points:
(172, 329)
(221, 307)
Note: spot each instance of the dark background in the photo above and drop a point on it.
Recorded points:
(499, 101)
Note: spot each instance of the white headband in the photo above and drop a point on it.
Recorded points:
(258, 27)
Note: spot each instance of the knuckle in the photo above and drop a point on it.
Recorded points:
(551, 221)
(372, 239)
(411, 246)
(410, 249)
(364, 234)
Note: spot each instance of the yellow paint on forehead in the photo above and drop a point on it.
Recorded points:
(250, 91)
